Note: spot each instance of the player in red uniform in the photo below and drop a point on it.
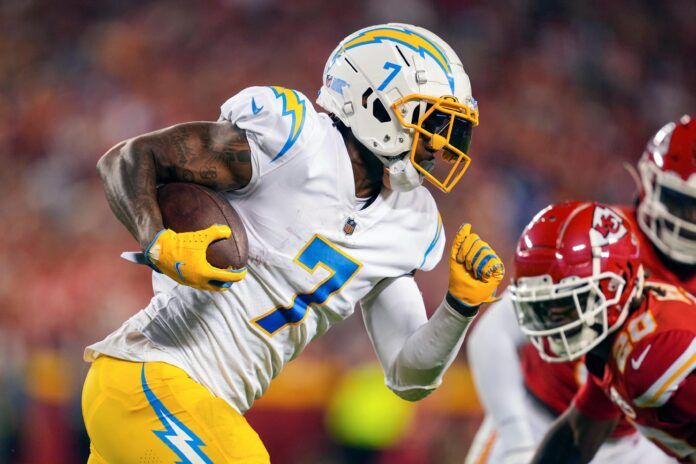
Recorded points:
(666, 212)
(520, 409)
(579, 290)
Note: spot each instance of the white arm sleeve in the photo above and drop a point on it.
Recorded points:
(492, 351)
(414, 352)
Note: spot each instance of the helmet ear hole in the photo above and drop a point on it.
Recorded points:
(379, 111)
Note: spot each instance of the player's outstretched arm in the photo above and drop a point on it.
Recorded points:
(573, 439)
(416, 351)
(214, 154)
(578, 433)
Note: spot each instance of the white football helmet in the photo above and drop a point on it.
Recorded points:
(394, 83)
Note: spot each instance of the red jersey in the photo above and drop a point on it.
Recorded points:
(649, 376)
(658, 266)
(556, 384)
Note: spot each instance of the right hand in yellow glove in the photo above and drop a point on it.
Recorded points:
(475, 269)
(182, 256)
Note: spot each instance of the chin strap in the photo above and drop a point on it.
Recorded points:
(403, 176)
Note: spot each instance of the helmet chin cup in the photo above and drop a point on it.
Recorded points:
(403, 177)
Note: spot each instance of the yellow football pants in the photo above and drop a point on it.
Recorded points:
(154, 413)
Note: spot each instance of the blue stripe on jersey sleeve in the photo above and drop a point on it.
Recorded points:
(431, 246)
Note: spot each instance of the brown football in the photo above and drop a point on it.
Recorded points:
(190, 207)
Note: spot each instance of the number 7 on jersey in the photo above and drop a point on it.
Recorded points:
(318, 252)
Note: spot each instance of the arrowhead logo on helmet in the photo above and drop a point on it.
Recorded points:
(607, 226)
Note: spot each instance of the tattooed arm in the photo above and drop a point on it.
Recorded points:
(213, 154)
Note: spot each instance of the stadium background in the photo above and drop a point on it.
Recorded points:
(568, 91)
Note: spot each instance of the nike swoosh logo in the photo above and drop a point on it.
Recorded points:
(177, 266)
(636, 362)
(255, 109)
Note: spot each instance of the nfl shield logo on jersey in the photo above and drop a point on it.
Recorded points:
(349, 226)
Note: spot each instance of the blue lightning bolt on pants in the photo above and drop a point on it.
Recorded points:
(154, 413)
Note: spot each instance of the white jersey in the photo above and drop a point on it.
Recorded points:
(313, 255)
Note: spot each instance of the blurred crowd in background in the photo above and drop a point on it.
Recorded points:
(568, 93)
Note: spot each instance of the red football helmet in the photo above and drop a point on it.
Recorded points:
(577, 271)
(667, 208)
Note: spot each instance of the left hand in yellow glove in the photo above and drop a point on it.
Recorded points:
(182, 256)
(475, 269)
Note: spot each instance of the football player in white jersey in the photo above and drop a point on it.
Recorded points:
(173, 382)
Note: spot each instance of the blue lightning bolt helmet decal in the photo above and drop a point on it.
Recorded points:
(175, 435)
(294, 107)
(410, 39)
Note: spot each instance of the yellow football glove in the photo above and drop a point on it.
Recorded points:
(475, 269)
(181, 256)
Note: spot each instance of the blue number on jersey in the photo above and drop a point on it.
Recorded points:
(317, 252)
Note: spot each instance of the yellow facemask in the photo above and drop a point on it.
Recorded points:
(446, 125)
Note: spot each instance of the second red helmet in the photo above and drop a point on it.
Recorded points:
(667, 209)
